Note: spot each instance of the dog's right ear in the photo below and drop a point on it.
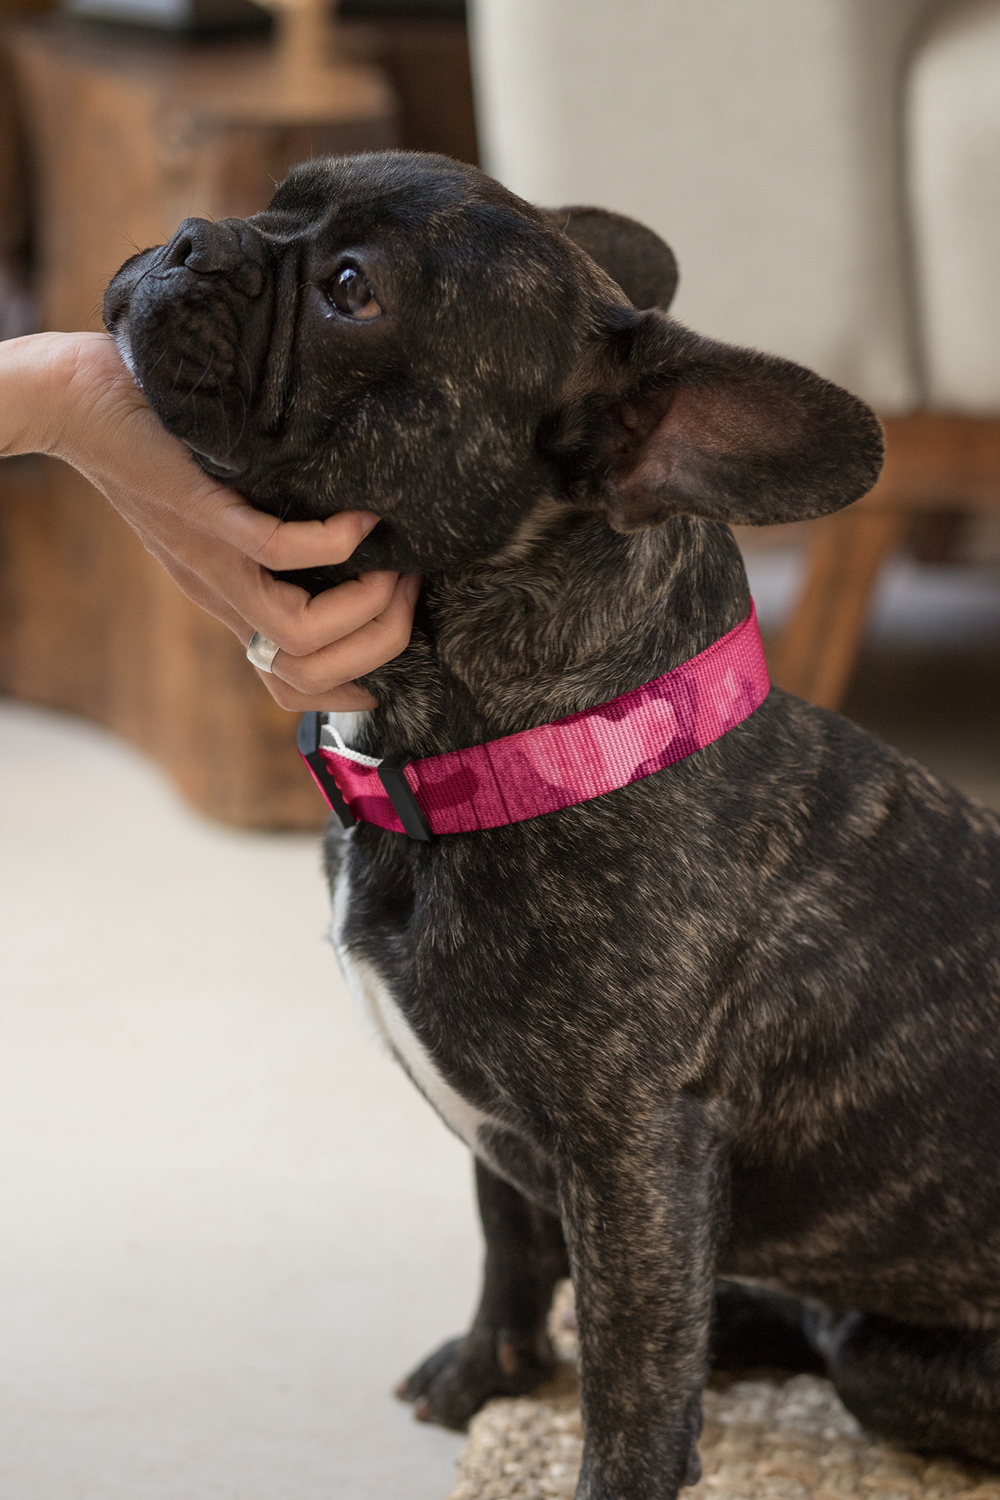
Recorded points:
(632, 255)
(656, 421)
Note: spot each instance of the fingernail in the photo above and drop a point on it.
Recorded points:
(368, 521)
(411, 589)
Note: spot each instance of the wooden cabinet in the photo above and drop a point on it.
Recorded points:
(127, 137)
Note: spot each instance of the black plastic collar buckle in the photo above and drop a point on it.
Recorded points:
(400, 794)
(308, 742)
(390, 772)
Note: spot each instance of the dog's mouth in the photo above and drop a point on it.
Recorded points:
(217, 466)
(192, 322)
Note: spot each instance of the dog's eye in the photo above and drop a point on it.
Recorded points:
(351, 295)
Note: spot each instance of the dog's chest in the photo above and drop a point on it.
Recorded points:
(384, 1011)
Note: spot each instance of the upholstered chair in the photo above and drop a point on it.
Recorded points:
(828, 173)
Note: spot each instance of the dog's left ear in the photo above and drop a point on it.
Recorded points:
(657, 422)
(642, 264)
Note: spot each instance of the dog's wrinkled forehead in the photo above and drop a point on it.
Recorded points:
(441, 243)
(377, 191)
(437, 210)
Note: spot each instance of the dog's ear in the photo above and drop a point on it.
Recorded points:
(657, 421)
(632, 255)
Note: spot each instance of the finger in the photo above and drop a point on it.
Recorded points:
(283, 611)
(302, 625)
(370, 646)
(350, 697)
(343, 611)
(247, 598)
(284, 545)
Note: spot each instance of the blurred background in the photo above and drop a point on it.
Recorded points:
(229, 1223)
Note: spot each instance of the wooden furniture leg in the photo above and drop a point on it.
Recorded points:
(936, 465)
(820, 642)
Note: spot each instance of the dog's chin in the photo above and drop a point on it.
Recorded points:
(123, 341)
(213, 427)
(205, 452)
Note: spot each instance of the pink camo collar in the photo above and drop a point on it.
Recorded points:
(555, 765)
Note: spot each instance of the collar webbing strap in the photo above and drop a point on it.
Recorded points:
(555, 765)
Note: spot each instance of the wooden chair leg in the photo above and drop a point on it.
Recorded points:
(934, 535)
(819, 644)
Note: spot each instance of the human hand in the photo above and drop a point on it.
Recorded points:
(71, 396)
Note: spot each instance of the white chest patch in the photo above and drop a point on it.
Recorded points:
(376, 1000)
(348, 725)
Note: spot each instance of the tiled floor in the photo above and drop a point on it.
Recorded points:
(227, 1222)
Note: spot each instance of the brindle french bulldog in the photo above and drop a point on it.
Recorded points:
(739, 1018)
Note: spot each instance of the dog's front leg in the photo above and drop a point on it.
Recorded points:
(644, 1209)
(507, 1350)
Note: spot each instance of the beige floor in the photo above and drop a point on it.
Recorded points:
(227, 1222)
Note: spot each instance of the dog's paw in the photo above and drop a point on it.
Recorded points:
(454, 1382)
(693, 1472)
(694, 1422)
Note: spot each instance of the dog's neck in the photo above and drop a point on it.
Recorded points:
(568, 615)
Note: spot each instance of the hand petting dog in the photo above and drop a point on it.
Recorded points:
(71, 396)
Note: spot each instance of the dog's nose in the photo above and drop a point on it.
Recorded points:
(203, 246)
(220, 248)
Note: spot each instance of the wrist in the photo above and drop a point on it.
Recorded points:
(87, 381)
(30, 382)
(55, 388)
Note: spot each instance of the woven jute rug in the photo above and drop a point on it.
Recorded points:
(765, 1437)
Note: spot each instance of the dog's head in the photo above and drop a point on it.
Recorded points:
(399, 333)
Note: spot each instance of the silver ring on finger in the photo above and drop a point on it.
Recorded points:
(261, 652)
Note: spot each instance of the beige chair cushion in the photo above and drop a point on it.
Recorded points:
(953, 118)
(759, 139)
